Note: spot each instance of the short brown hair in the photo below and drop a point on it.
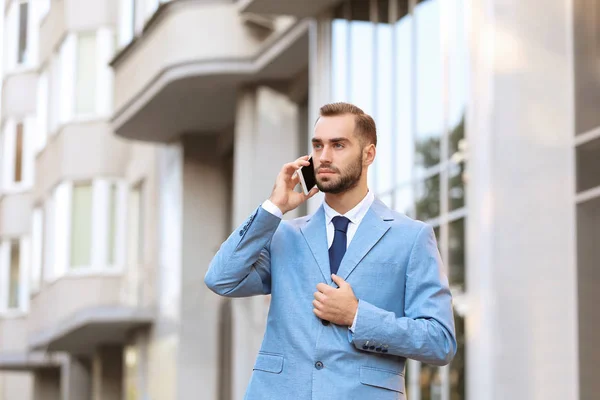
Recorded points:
(365, 125)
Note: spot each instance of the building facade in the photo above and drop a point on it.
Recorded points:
(137, 134)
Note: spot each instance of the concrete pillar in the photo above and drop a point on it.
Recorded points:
(47, 384)
(205, 212)
(107, 373)
(521, 278)
(76, 382)
(16, 385)
(266, 137)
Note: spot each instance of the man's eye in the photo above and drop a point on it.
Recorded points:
(338, 145)
(317, 146)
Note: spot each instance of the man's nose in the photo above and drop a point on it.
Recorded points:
(325, 157)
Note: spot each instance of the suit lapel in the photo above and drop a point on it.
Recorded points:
(315, 235)
(372, 228)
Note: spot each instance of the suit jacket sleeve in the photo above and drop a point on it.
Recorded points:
(242, 266)
(426, 331)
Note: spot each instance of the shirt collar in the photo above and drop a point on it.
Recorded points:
(356, 214)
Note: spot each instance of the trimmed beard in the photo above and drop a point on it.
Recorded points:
(348, 179)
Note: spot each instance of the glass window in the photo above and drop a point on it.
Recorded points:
(14, 275)
(131, 372)
(456, 186)
(339, 60)
(428, 198)
(384, 99)
(429, 95)
(18, 177)
(456, 254)
(127, 10)
(457, 367)
(431, 382)
(42, 110)
(38, 248)
(404, 107)
(81, 225)
(86, 74)
(361, 65)
(136, 225)
(404, 200)
(22, 48)
(113, 202)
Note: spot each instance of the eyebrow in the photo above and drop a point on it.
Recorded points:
(334, 140)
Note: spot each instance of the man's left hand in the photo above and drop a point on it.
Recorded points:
(335, 305)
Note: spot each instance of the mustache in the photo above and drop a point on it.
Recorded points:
(329, 167)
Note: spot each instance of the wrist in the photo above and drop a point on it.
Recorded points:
(278, 205)
(352, 315)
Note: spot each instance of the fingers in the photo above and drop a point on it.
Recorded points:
(338, 280)
(323, 288)
(318, 305)
(318, 313)
(289, 168)
(319, 296)
(312, 192)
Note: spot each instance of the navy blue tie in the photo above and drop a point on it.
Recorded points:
(338, 247)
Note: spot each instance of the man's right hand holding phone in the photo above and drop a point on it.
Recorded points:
(283, 195)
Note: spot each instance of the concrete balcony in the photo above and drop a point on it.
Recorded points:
(287, 7)
(79, 151)
(19, 94)
(181, 75)
(15, 214)
(73, 16)
(75, 314)
(14, 352)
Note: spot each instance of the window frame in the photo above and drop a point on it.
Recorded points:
(5, 264)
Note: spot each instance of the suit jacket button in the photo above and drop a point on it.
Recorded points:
(325, 322)
(384, 350)
(241, 233)
(378, 349)
(365, 347)
(319, 365)
(372, 347)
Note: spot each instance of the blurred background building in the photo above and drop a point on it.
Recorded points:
(137, 134)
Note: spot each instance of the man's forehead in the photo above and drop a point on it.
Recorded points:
(337, 126)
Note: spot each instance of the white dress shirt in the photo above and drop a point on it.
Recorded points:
(355, 216)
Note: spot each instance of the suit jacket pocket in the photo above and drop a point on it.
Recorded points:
(382, 378)
(269, 363)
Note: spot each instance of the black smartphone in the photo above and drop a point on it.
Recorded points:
(307, 176)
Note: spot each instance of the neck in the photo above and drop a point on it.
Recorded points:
(346, 201)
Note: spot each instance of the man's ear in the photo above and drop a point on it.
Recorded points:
(369, 153)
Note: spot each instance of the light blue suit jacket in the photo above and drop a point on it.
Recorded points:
(394, 268)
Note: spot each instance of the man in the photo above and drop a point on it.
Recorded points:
(356, 288)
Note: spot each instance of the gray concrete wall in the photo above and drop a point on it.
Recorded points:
(47, 384)
(76, 381)
(164, 342)
(205, 208)
(15, 214)
(52, 30)
(13, 334)
(107, 373)
(588, 254)
(16, 385)
(19, 93)
(217, 26)
(521, 280)
(142, 167)
(73, 15)
(79, 151)
(70, 294)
